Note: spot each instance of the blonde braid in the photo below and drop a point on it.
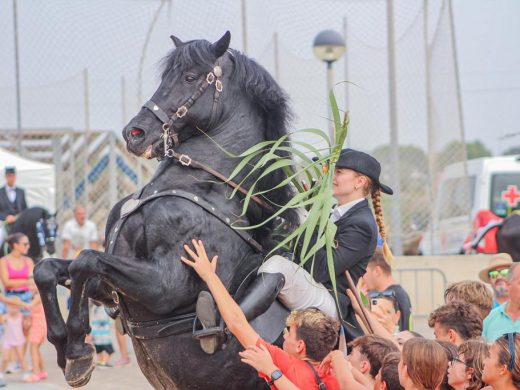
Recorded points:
(378, 211)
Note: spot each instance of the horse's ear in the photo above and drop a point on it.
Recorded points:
(221, 45)
(176, 41)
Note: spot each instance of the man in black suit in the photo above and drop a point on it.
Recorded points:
(12, 199)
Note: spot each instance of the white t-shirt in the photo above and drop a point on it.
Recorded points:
(80, 237)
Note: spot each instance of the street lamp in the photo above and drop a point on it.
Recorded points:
(328, 47)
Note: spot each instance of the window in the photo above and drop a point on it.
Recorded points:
(499, 185)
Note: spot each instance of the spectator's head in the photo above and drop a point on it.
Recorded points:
(311, 334)
(456, 322)
(388, 376)
(368, 352)
(384, 306)
(496, 272)
(451, 351)
(502, 365)
(80, 214)
(422, 365)
(513, 283)
(18, 243)
(465, 369)
(405, 335)
(377, 273)
(10, 176)
(471, 291)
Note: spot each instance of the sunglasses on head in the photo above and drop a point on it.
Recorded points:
(383, 294)
(494, 274)
(511, 343)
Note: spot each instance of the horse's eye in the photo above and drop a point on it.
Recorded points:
(190, 78)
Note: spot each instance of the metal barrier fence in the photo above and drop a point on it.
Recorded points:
(92, 168)
(425, 286)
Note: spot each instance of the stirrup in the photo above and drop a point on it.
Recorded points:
(205, 328)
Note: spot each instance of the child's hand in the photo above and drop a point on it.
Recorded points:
(259, 358)
(201, 264)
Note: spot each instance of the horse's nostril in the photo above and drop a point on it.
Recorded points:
(135, 132)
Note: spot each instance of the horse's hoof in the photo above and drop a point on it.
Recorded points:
(79, 370)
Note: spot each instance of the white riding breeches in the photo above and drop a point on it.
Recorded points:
(300, 290)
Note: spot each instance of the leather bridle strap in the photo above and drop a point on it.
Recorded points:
(187, 161)
(213, 77)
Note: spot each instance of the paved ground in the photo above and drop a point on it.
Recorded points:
(128, 377)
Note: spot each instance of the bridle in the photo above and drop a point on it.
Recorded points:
(170, 134)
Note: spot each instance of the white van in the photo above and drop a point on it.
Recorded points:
(488, 180)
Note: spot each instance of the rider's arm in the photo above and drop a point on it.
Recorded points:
(229, 310)
(353, 242)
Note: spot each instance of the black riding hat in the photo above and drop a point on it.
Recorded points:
(10, 170)
(364, 164)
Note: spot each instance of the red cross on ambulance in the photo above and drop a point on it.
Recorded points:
(511, 195)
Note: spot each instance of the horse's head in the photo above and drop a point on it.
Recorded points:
(186, 98)
(46, 229)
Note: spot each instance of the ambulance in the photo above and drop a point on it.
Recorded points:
(494, 193)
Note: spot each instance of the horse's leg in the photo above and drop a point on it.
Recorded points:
(128, 276)
(48, 274)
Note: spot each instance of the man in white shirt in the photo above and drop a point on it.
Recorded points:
(78, 234)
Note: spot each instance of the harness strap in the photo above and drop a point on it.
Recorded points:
(186, 160)
(132, 205)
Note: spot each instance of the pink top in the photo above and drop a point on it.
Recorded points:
(13, 336)
(22, 273)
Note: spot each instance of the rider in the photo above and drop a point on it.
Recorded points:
(12, 200)
(356, 176)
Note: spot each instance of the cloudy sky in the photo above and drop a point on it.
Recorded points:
(60, 38)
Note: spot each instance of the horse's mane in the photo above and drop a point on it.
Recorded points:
(266, 95)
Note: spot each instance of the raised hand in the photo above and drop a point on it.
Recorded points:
(199, 260)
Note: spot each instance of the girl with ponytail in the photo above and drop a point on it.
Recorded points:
(356, 177)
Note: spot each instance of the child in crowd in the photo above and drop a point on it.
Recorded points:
(101, 335)
(37, 336)
(14, 339)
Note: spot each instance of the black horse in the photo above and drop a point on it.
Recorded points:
(207, 91)
(41, 228)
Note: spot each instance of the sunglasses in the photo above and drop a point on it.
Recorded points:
(511, 342)
(455, 359)
(384, 294)
(494, 274)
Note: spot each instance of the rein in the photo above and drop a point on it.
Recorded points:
(170, 134)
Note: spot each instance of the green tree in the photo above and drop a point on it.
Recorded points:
(477, 149)
(511, 151)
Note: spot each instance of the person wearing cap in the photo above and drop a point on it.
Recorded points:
(356, 177)
(12, 198)
(495, 275)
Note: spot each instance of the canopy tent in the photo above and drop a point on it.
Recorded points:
(36, 178)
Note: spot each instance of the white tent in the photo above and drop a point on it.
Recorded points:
(36, 178)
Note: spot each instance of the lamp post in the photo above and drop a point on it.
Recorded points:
(328, 47)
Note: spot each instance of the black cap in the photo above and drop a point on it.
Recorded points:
(10, 170)
(364, 164)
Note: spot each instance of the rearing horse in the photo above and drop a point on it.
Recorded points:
(207, 91)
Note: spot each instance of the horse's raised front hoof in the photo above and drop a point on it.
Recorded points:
(79, 370)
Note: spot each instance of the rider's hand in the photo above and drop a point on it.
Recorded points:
(259, 358)
(200, 262)
(10, 218)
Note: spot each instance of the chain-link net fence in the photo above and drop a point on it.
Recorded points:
(90, 64)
